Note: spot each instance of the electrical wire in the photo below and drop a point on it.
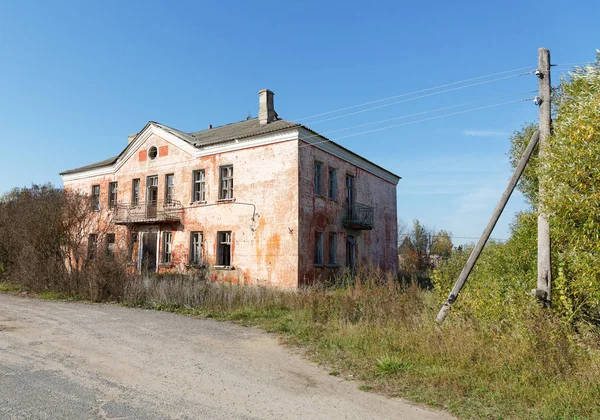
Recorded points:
(413, 93)
(425, 112)
(411, 122)
(414, 98)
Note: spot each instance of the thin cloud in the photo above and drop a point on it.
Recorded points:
(485, 133)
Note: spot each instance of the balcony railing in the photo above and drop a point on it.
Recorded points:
(359, 216)
(148, 212)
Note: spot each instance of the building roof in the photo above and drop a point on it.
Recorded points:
(199, 139)
(215, 135)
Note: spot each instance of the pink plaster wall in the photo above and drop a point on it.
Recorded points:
(264, 251)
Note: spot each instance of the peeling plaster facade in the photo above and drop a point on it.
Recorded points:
(274, 217)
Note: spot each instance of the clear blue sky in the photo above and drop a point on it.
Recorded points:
(77, 77)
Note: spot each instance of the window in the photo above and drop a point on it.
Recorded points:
(95, 197)
(318, 247)
(319, 178)
(134, 247)
(167, 247)
(92, 239)
(169, 188)
(199, 181)
(152, 152)
(196, 239)
(110, 244)
(226, 190)
(332, 248)
(332, 191)
(112, 194)
(135, 191)
(224, 249)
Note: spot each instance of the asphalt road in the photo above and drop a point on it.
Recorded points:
(63, 360)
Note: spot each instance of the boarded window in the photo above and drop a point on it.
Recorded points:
(196, 240)
(319, 178)
(135, 192)
(95, 197)
(170, 188)
(113, 188)
(226, 182)
(318, 247)
(332, 248)
(199, 192)
(167, 246)
(224, 249)
(332, 179)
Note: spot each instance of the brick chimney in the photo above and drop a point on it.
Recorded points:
(266, 109)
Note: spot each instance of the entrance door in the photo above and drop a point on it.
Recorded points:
(152, 196)
(148, 263)
(351, 252)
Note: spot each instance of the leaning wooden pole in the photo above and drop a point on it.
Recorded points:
(464, 274)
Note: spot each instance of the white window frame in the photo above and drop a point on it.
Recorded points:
(196, 247)
(199, 186)
(167, 248)
(226, 182)
(223, 242)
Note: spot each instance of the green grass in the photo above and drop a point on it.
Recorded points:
(9, 288)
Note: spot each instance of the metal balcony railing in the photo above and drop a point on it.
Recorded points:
(359, 216)
(148, 212)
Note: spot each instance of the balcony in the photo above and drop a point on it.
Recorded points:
(148, 212)
(359, 217)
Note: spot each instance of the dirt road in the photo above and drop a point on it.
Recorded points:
(87, 361)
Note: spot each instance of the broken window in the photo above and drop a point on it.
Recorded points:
(95, 197)
(92, 240)
(110, 244)
(199, 193)
(332, 248)
(224, 249)
(196, 239)
(226, 190)
(319, 178)
(332, 191)
(112, 194)
(135, 191)
(318, 247)
(169, 189)
(167, 247)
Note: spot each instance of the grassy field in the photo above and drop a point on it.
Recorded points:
(383, 335)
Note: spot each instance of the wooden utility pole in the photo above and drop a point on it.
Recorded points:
(464, 274)
(544, 279)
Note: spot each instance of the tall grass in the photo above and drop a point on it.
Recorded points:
(383, 333)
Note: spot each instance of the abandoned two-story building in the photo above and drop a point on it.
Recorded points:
(261, 201)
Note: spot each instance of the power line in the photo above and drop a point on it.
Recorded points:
(413, 122)
(425, 112)
(413, 93)
(414, 98)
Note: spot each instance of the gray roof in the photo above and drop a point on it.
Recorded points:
(224, 133)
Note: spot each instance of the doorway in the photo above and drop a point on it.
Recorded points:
(149, 253)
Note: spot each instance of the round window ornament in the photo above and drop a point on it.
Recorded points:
(152, 152)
